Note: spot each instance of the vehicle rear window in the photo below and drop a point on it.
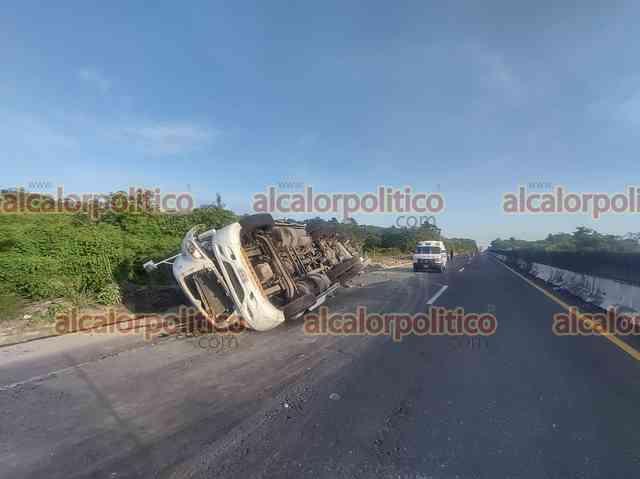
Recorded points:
(428, 250)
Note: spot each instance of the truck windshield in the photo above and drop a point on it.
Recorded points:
(428, 250)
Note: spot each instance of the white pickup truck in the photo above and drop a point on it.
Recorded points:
(430, 255)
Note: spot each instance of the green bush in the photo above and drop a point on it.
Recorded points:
(68, 255)
(85, 257)
(110, 294)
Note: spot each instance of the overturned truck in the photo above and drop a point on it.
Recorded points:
(262, 271)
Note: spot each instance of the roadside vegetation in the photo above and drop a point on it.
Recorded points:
(91, 256)
(87, 260)
(581, 240)
(393, 241)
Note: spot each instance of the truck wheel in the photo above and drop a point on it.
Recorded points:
(254, 222)
(298, 305)
(319, 230)
(339, 269)
(355, 270)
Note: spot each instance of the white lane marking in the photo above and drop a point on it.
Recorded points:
(462, 269)
(437, 295)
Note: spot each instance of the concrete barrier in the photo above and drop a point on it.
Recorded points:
(602, 292)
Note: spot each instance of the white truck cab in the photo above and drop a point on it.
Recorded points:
(430, 255)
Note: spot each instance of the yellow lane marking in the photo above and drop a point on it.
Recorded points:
(614, 339)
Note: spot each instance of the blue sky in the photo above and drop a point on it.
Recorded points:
(473, 98)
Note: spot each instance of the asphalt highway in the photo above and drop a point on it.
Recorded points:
(521, 403)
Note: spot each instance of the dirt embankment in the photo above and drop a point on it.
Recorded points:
(389, 261)
(54, 317)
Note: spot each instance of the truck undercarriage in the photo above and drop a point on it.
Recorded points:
(262, 271)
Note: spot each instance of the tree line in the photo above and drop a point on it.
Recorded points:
(583, 239)
(396, 239)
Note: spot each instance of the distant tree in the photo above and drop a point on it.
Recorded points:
(582, 239)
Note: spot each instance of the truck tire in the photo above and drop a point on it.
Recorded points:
(319, 230)
(355, 270)
(298, 305)
(338, 270)
(254, 222)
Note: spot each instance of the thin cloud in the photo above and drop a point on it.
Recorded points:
(58, 135)
(170, 138)
(629, 110)
(620, 102)
(34, 133)
(95, 79)
(497, 75)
